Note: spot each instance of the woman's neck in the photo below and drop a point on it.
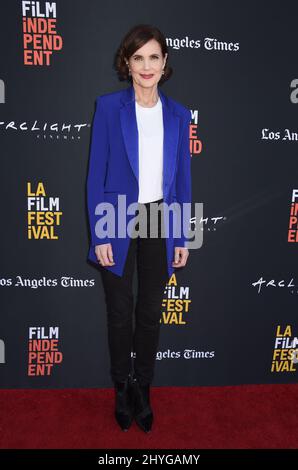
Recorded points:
(146, 97)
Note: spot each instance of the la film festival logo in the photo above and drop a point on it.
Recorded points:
(40, 38)
(285, 352)
(176, 304)
(43, 350)
(43, 213)
(293, 221)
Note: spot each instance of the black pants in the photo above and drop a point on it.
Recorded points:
(151, 259)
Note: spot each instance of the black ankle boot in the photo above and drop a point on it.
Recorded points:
(143, 411)
(124, 411)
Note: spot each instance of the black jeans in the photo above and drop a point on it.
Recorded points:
(151, 259)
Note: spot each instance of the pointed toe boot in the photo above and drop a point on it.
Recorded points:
(143, 411)
(124, 410)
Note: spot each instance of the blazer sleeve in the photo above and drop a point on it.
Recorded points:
(183, 181)
(99, 152)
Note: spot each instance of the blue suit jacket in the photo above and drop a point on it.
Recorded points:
(114, 169)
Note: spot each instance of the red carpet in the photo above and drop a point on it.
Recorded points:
(245, 417)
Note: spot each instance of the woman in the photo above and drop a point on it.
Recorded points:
(139, 151)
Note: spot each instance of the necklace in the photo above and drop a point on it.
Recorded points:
(149, 106)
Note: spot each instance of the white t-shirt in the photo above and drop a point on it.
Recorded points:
(150, 129)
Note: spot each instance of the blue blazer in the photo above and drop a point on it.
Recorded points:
(114, 169)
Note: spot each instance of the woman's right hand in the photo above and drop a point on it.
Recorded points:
(104, 254)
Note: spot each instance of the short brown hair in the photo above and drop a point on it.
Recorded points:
(132, 41)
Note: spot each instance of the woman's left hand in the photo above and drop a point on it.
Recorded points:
(181, 255)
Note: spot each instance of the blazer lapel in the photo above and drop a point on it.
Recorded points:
(170, 144)
(130, 135)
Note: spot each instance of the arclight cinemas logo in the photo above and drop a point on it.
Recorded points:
(293, 222)
(40, 38)
(44, 130)
(43, 351)
(288, 284)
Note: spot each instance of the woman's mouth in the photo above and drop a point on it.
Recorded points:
(147, 76)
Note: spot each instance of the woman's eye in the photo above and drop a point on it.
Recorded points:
(139, 58)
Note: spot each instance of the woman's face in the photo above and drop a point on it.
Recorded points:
(146, 64)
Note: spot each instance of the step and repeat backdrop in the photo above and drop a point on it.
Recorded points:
(230, 316)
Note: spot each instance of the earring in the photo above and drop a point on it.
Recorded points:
(129, 72)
